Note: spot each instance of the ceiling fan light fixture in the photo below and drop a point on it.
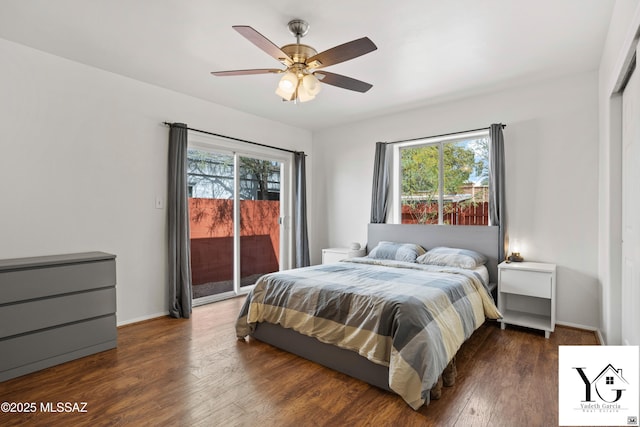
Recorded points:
(311, 84)
(287, 86)
(304, 95)
(286, 96)
(288, 82)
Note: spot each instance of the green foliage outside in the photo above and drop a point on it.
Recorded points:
(420, 175)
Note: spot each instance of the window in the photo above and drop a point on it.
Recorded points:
(442, 180)
(609, 380)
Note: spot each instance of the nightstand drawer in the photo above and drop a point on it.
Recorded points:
(530, 283)
(331, 255)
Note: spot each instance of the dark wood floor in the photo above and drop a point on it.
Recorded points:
(194, 372)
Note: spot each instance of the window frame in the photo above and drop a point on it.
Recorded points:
(396, 181)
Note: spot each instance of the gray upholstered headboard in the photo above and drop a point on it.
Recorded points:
(480, 238)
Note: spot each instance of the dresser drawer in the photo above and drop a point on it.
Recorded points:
(34, 315)
(22, 284)
(56, 344)
(530, 283)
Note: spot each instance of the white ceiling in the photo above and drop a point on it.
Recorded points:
(428, 50)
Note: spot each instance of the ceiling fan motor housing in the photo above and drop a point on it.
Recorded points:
(299, 52)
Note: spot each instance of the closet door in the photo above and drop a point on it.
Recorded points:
(631, 211)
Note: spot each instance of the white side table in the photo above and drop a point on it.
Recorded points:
(331, 255)
(527, 295)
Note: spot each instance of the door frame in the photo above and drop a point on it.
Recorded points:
(237, 149)
(628, 283)
(610, 208)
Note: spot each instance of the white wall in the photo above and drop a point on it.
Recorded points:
(551, 149)
(83, 155)
(619, 45)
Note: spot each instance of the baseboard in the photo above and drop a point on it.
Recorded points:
(142, 318)
(599, 337)
(585, 328)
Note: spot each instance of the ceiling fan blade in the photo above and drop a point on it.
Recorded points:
(263, 43)
(343, 82)
(341, 53)
(246, 72)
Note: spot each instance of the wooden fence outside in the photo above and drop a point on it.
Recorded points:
(211, 228)
(455, 213)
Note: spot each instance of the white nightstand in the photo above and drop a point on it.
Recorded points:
(527, 295)
(330, 255)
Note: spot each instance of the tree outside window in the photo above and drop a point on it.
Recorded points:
(451, 177)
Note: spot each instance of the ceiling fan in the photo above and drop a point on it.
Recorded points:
(302, 75)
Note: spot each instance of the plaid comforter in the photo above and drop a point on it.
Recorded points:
(410, 317)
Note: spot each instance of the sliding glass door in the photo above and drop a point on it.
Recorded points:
(211, 196)
(236, 209)
(259, 218)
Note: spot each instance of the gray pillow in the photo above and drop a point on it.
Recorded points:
(453, 257)
(397, 251)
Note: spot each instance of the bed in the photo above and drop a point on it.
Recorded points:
(377, 319)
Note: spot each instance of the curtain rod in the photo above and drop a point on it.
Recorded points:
(239, 140)
(440, 136)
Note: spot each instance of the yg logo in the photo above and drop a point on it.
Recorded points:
(607, 384)
(589, 395)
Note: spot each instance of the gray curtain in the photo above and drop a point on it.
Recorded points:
(497, 212)
(380, 189)
(178, 218)
(300, 213)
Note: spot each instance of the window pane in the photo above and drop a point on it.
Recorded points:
(210, 183)
(461, 193)
(419, 180)
(466, 182)
(259, 218)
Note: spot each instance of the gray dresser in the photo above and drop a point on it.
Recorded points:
(54, 309)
